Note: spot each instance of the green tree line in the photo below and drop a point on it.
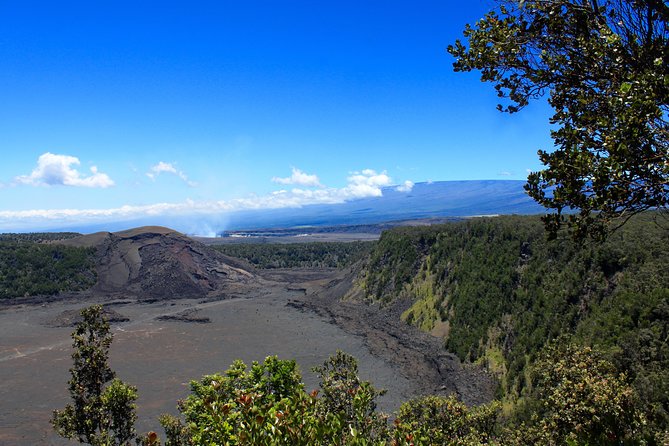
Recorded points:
(298, 255)
(36, 237)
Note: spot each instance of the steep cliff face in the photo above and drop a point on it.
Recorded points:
(495, 290)
(157, 262)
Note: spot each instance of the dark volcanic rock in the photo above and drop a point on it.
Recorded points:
(185, 316)
(156, 262)
(70, 318)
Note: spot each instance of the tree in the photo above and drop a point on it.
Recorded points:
(348, 403)
(605, 66)
(583, 399)
(266, 404)
(102, 410)
(438, 420)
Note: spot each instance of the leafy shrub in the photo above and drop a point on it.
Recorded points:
(436, 420)
(267, 405)
(583, 400)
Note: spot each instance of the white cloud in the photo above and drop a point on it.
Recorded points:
(163, 167)
(365, 183)
(406, 187)
(299, 178)
(58, 170)
(504, 173)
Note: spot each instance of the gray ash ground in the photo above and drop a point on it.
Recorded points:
(293, 314)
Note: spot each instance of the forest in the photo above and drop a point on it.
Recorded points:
(499, 293)
(298, 255)
(29, 266)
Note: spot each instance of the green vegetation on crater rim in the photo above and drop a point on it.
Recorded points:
(29, 267)
(498, 291)
(299, 255)
(37, 237)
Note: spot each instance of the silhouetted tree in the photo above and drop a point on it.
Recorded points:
(605, 66)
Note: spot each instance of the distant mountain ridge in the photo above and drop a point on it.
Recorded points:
(424, 200)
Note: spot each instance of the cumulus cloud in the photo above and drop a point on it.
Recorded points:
(59, 170)
(407, 186)
(366, 183)
(360, 184)
(299, 178)
(163, 167)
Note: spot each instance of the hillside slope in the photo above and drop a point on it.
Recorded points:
(157, 262)
(496, 291)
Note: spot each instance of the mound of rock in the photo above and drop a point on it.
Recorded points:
(156, 262)
(189, 316)
(70, 318)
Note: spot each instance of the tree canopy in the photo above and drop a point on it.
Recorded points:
(605, 67)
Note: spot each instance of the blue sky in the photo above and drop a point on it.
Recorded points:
(117, 108)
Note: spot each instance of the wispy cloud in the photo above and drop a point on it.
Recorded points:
(407, 186)
(59, 170)
(504, 173)
(169, 168)
(299, 178)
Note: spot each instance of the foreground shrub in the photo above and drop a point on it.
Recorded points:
(267, 405)
(582, 400)
(349, 403)
(436, 420)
